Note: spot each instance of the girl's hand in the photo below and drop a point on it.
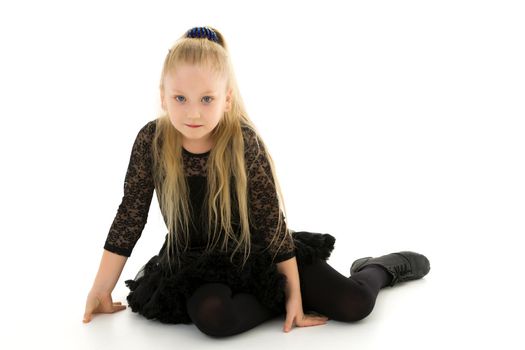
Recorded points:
(294, 314)
(100, 303)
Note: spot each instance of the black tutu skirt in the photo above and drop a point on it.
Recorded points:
(159, 294)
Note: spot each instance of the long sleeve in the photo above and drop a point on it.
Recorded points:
(132, 213)
(263, 201)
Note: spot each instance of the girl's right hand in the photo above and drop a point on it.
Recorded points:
(100, 303)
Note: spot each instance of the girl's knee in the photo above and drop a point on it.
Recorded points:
(211, 310)
(356, 306)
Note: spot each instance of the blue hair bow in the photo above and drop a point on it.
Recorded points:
(202, 32)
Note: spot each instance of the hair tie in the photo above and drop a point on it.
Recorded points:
(202, 32)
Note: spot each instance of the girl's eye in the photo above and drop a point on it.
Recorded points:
(206, 99)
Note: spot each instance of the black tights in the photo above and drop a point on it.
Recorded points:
(214, 310)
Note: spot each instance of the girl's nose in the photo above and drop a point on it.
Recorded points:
(193, 113)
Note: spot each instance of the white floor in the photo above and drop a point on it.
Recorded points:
(435, 312)
(394, 125)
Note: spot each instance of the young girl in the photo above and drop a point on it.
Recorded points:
(228, 262)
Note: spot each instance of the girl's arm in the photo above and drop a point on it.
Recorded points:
(289, 269)
(109, 271)
(99, 298)
(294, 304)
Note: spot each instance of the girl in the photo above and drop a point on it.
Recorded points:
(229, 262)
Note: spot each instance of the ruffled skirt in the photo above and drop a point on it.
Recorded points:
(157, 293)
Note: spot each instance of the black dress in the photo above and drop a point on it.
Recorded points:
(160, 293)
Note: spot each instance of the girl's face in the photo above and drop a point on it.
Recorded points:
(194, 95)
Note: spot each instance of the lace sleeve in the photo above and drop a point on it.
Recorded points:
(132, 212)
(263, 202)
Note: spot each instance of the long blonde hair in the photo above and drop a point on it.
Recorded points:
(226, 161)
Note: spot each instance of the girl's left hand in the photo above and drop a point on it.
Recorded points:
(295, 315)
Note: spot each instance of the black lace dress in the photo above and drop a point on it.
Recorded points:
(160, 293)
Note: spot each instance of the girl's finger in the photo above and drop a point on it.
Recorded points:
(288, 323)
(310, 321)
(90, 307)
(117, 303)
(118, 308)
(318, 317)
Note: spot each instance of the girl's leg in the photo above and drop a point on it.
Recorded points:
(214, 310)
(324, 290)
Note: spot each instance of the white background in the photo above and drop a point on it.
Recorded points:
(394, 125)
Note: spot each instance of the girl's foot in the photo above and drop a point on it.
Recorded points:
(403, 266)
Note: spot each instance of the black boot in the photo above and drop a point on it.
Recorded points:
(403, 266)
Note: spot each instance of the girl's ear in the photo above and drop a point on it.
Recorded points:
(228, 101)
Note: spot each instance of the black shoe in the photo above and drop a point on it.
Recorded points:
(403, 266)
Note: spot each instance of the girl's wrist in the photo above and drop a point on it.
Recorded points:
(293, 291)
(98, 290)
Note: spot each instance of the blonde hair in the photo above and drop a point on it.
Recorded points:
(226, 161)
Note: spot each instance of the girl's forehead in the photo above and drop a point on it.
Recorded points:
(202, 70)
(193, 75)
